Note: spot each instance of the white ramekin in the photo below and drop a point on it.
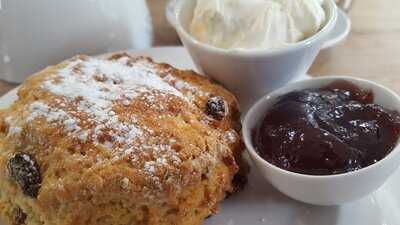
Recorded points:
(252, 73)
(329, 189)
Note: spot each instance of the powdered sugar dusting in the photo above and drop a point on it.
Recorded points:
(89, 88)
(126, 108)
(13, 128)
(97, 84)
(99, 81)
(57, 116)
(182, 85)
(230, 136)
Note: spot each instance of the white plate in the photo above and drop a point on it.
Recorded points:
(339, 33)
(259, 203)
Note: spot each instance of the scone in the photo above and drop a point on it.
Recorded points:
(117, 141)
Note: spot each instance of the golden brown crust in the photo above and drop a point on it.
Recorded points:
(114, 149)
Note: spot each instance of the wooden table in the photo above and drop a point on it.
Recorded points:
(371, 51)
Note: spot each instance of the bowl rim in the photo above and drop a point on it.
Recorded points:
(320, 35)
(247, 136)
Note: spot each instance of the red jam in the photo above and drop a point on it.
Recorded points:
(332, 130)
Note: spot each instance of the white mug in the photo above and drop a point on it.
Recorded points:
(34, 34)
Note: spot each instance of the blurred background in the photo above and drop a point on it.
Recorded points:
(370, 51)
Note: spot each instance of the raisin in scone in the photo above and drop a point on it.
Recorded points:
(117, 141)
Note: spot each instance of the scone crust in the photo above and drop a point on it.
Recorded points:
(154, 157)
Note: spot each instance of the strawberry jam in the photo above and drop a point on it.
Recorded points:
(331, 130)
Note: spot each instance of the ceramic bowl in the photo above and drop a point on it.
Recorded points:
(252, 73)
(328, 189)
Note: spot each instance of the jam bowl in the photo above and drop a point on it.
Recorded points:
(323, 189)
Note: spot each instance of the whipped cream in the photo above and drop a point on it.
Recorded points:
(249, 24)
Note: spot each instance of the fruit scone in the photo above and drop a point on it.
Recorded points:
(116, 141)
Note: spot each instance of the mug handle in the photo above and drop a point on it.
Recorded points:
(170, 11)
(345, 5)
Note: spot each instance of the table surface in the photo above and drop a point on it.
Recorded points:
(371, 51)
